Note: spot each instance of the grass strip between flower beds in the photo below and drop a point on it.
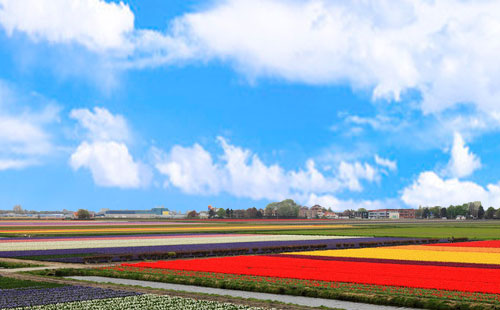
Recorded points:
(374, 294)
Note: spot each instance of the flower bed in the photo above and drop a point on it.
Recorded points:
(24, 297)
(146, 301)
(419, 253)
(78, 255)
(102, 242)
(433, 277)
(274, 284)
(151, 228)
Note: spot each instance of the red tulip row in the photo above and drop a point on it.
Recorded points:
(466, 279)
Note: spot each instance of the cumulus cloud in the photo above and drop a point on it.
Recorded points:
(101, 125)
(104, 151)
(14, 164)
(24, 135)
(329, 201)
(109, 162)
(431, 190)
(96, 24)
(241, 173)
(462, 162)
(351, 174)
(447, 50)
(387, 163)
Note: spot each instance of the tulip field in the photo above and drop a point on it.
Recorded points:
(304, 258)
(44, 296)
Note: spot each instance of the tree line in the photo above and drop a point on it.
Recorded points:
(452, 212)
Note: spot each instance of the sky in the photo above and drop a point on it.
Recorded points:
(239, 103)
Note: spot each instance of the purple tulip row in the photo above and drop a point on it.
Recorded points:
(75, 258)
(26, 297)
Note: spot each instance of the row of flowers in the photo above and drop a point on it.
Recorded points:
(412, 253)
(76, 255)
(140, 302)
(433, 277)
(163, 228)
(27, 297)
(151, 241)
(165, 274)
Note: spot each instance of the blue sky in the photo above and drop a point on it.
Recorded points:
(239, 103)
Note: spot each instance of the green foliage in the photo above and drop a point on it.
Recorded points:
(490, 213)
(83, 214)
(284, 209)
(9, 265)
(443, 213)
(221, 213)
(8, 283)
(480, 212)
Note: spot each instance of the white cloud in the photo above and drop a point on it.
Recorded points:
(329, 201)
(14, 164)
(462, 162)
(110, 163)
(387, 163)
(445, 49)
(431, 190)
(96, 24)
(351, 174)
(241, 173)
(105, 153)
(101, 125)
(191, 169)
(24, 136)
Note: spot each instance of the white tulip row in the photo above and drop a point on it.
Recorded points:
(84, 244)
(142, 302)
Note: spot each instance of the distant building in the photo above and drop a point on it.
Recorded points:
(154, 212)
(392, 214)
(330, 215)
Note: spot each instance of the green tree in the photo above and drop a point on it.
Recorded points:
(462, 210)
(192, 214)
(419, 213)
(451, 212)
(480, 212)
(443, 213)
(497, 214)
(426, 213)
(490, 213)
(251, 213)
(286, 208)
(221, 213)
(435, 211)
(83, 214)
(211, 213)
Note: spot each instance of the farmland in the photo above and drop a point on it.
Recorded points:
(424, 265)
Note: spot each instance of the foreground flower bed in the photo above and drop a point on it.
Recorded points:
(422, 276)
(24, 297)
(140, 302)
(368, 293)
